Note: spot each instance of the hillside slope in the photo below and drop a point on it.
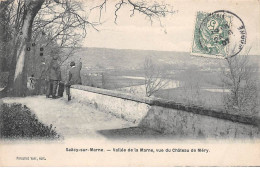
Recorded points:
(103, 58)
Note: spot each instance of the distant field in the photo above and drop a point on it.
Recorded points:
(201, 97)
(115, 65)
(199, 77)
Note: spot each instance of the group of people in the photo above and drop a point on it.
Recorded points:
(54, 84)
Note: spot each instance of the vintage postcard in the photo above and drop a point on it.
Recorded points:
(129, 83)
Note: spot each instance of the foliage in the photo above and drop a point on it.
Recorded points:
(17, 121)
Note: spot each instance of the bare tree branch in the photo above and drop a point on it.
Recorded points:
(150, 10)
(241, 79)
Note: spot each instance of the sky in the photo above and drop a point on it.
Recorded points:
(176, 34)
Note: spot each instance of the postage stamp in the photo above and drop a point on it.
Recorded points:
(219, 34)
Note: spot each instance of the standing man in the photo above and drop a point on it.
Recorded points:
(54, 77)
(42, 81)
(73, 76)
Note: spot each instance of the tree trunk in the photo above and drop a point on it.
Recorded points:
(3, 34)
(3, 37)
(19, 76)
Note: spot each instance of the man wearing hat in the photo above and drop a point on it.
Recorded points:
(73, 77)
(54, 77)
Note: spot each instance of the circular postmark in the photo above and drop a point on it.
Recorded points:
(221, 33)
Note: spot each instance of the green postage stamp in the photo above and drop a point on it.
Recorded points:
(211, 35)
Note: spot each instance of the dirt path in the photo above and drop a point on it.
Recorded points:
(71, 119)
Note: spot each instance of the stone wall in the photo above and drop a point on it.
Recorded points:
(168, 117)
(120, 104)
(188, 124)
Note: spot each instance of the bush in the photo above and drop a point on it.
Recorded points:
(241, 78)
(17, 121)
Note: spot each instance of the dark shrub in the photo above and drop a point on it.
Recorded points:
(17, 121)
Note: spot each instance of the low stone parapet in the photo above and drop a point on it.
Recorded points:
(167, 116)
(122, 105)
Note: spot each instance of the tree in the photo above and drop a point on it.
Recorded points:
(64, 25)
(3, 34)
(31, 8)
(241, 79)
(155, 77)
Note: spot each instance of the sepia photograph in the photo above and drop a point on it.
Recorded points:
(129, 83)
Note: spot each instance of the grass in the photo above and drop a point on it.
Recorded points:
(18, 122)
